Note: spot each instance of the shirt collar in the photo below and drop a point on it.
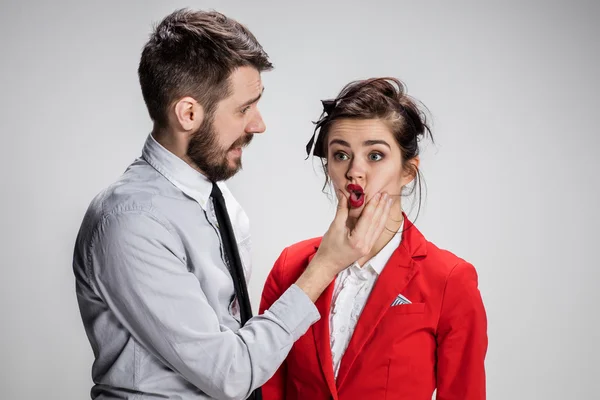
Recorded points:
(178, 172)
(380, 259)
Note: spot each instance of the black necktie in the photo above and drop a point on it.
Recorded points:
(232, 255)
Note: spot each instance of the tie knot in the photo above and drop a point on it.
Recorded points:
(216, 192)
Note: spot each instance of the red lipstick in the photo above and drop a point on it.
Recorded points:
(357, 195)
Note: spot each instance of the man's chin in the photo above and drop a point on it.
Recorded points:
(235, 153)
(222, 172)
(232, 169)
(234, 164)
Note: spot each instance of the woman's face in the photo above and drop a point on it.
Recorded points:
(363, 155)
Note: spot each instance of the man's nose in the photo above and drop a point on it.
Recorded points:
(256, 125)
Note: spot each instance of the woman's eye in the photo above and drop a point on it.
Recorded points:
(375, 156)
(341, 156)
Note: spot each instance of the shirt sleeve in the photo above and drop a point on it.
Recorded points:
(136, 269)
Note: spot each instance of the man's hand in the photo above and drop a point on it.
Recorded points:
(341, 246)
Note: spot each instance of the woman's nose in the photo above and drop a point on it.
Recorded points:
(356, 171)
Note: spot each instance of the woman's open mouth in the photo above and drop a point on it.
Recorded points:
(357, 195)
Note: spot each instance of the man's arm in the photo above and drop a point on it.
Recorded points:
(136, 270)
(151, 292)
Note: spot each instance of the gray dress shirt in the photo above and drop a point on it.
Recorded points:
(155, 294)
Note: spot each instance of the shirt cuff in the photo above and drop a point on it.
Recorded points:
(296, 310)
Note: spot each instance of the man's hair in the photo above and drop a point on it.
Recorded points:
(193, 53)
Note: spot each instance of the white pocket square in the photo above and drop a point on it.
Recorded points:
(400, 300)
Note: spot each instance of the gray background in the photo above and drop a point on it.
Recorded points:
(513, 91)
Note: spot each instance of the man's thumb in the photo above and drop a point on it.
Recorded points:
(341, 215)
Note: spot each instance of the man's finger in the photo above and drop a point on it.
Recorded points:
(366, 218)
(371, 235)
(379, 221)
(341, 214)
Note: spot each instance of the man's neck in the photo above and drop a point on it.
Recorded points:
(168, 140)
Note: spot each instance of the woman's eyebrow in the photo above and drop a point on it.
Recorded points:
(365, 143)
(374, 142)
(340, 142)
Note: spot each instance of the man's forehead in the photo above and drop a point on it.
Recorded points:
(246, 82)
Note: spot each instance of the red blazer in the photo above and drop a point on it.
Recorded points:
(401, 352)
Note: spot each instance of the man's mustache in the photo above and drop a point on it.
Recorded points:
(243, 141)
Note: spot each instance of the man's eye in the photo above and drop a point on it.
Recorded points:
(375, 156)
(245, 109)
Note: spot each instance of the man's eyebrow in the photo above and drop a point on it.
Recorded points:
(254, 100)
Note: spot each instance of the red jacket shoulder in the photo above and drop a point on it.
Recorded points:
(294, 259)
(439, 263)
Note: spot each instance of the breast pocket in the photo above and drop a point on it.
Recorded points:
(405, 321)
(413, 308)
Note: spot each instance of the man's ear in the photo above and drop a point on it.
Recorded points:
(188, 114)
(410, 170)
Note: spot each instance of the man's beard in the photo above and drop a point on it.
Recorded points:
(209, 157)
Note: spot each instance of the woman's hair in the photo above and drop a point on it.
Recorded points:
(377, 98)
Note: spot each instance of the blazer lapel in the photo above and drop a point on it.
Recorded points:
(398, 272)
(321, 335)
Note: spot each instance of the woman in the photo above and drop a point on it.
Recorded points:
(408, 318)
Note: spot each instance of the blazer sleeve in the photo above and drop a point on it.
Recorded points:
(461, 338)
(274, 388)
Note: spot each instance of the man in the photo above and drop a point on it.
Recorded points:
(162, 258)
